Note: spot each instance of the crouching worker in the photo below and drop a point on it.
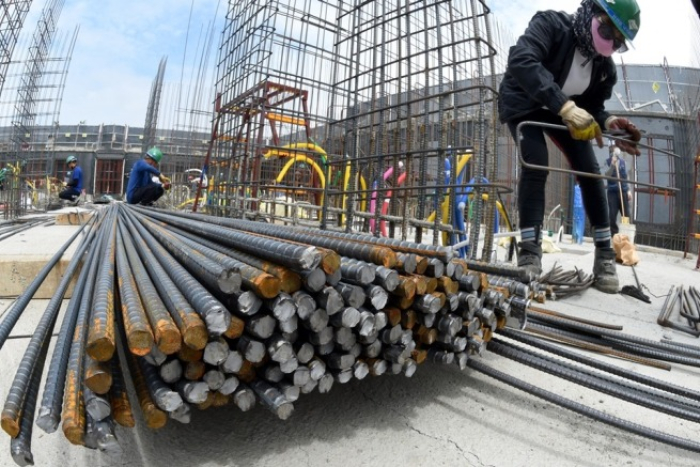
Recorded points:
(73, 185)
(142, 189)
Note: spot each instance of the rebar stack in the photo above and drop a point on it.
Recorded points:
(201, 314)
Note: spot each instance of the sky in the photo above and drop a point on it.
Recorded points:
(118, 50)
(121, 43)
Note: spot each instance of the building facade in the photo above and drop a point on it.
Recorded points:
(105, 153)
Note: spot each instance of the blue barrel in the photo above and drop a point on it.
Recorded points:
(579, 216)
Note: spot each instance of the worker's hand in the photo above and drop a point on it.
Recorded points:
(619, 123)
(163, 179)
(580, 123)
(629, 196)
(166, 185)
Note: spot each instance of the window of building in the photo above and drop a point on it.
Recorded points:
(36, 168)
(653, 205)
(108, 177)
(60, 169)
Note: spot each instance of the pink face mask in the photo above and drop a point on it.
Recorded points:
(604, 47)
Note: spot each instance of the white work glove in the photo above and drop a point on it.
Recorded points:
(581, 124)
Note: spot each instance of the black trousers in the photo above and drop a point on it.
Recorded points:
(147, 195)
(614, 206)
(69, 194)
(531, 186)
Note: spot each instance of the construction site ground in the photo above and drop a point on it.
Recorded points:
(440, 417)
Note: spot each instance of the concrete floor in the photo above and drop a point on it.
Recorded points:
(440, 417)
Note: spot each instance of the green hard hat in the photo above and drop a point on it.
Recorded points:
(70, 159)
(155, 154)
(625, 15)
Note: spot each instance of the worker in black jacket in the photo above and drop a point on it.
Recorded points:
(560, 71)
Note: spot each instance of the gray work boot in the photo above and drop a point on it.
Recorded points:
(530, 258)
(604, 272)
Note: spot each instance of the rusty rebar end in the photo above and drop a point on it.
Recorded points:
(102, 349)
(421, 264)
(330, 261)
(208, 402)
(99, 383)
(421, 284)
(235, 329)
(195, 370)
(195, 337)
(123, 416)
(220, 400)
(419, 356)
(290, 282)
(190, 354)
(406, 288)
(267, 286)
(386, 257)
(155, 418)
(74, 434)
(10, 425)
(140, 342)
(169, 339)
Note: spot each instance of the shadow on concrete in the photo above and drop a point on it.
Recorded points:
(349, 415)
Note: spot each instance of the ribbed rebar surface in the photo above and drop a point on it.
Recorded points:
(150, 307)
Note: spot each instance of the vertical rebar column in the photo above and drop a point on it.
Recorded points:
(424, 126)
(12, 16)
(443, 137)
(492, 168)
(480, 149)
(353, 123)
(410, 134)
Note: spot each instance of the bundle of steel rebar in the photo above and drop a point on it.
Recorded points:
(543, 347)
(682, 305)
(194, 311)
(200, 311)
(560, 284)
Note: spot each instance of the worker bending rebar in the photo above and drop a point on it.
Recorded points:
(561, 70)
(73, 185)
(142, 189)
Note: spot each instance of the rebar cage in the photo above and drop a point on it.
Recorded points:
(361, 116)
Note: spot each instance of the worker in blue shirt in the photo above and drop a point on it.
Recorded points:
(142, 189)
(73, 182)
(619, 194)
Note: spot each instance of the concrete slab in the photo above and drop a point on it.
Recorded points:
(76, 217)
(22, 256)
(441, 416)
(30, 316)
